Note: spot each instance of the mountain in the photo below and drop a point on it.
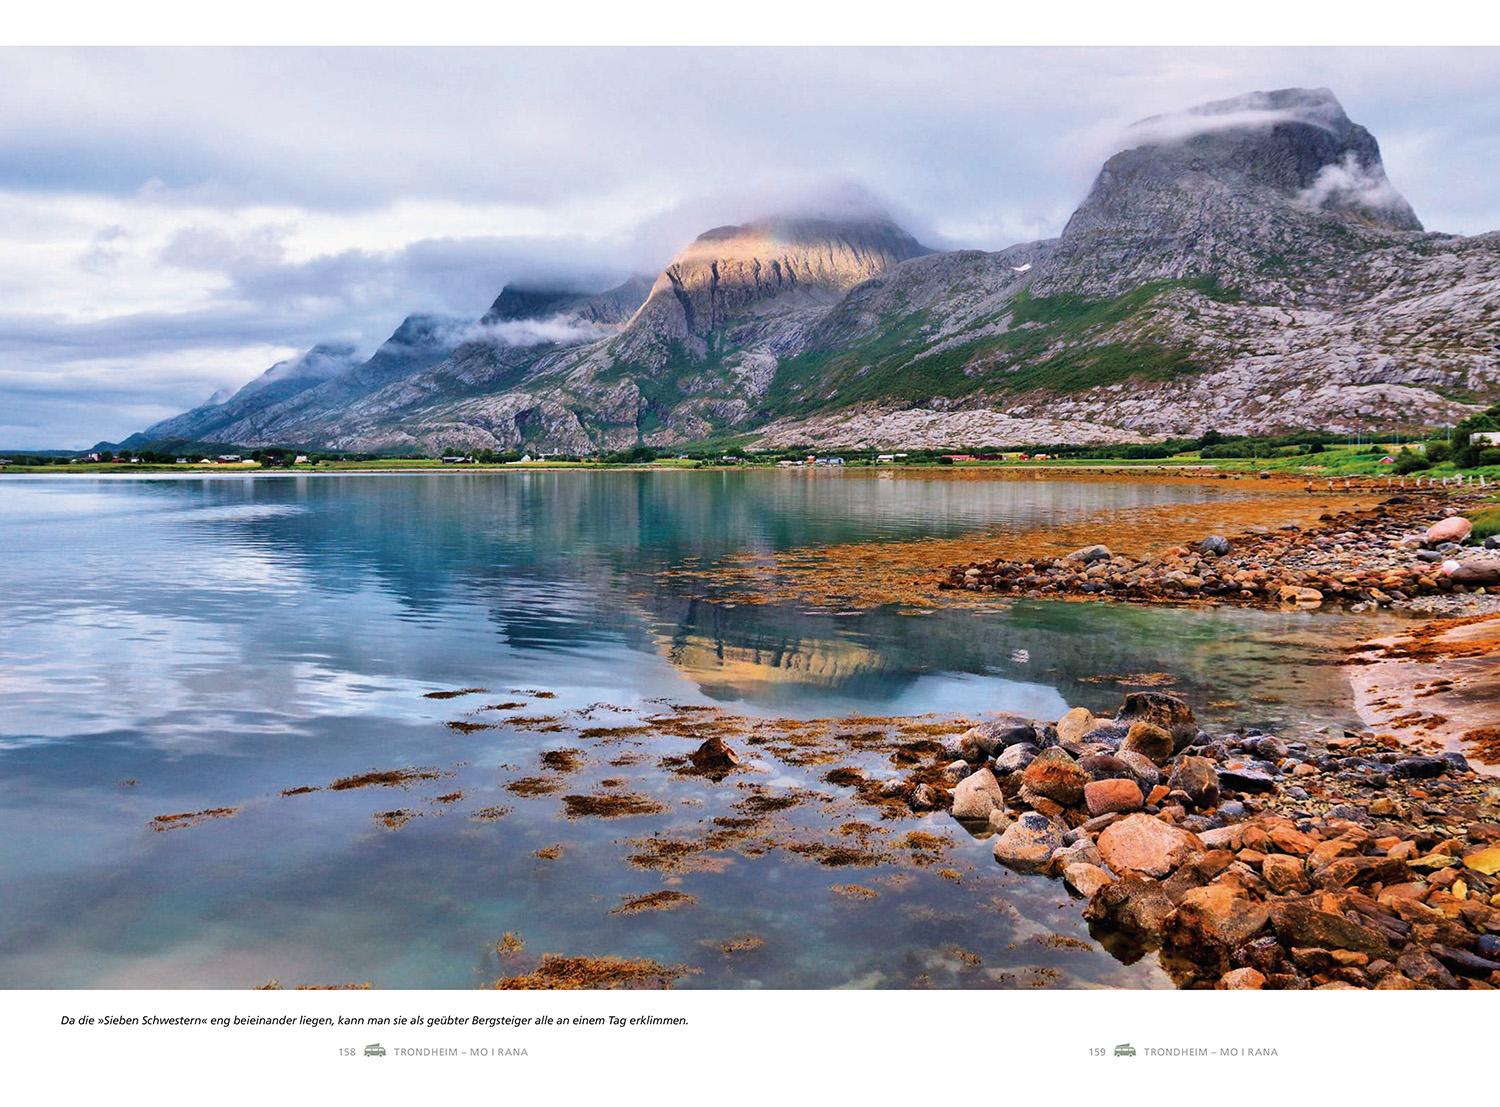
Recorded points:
(1245, 265)
(308, 400)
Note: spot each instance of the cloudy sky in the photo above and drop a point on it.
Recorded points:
(172, 222)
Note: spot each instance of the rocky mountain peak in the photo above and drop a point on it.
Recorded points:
(524, 303)
(1291, 145)
(736, 272)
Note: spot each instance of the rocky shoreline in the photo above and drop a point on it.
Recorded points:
(1248, 860)
(1408, 546)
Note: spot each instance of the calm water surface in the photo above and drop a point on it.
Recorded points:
(173, 645)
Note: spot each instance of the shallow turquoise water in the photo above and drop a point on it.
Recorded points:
(215, 641)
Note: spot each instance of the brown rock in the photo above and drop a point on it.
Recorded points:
(1197, 871)
(1239, 979)
(1161, 709)
(1300, 924)
(1148, 740)
(1346, 872)
(1284, 874)
(1424, 970)
(1145, 844)
(1288, 839)
(1055, 776)
(1197, 778)
(714, 756)
(1104, 796)
(1212, 920)
(1130, 903)
(1085, 879)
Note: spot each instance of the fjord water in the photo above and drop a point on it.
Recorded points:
(176, 645)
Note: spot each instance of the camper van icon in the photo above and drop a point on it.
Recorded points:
(1125, 1050)
(375, 1050)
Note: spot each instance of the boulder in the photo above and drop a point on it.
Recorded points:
(1241, 979)
(976, 795)
(1301, 924)
(1012, 759)
(1084, 878)
(1131, 903)
(1477, 572)
(1419, 768)
(1197, 778)
(1455, 528)
(1106, 766)
(1285, 875)
(1145, 844)
(1161, 709)
(1107, 733)
(989, 737)
(1090, 554)
(1424, 970)
(1150, 741)
(1054, 775)
(714, 756)
(1293, 596)
(1142, 768)
(1029, 842)
(1075, 724)
(1214, 919)
(1215, 544)
(1104, 796)
(1247, 780)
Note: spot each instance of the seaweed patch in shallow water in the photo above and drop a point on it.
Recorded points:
(385, 778)
(615, 806)
(664, 900)
(394, 820)
(746, 943)
(607, 732)
(533, 786)
(454, 694)
(490, 814)
(464, 726)
(190, 818)
(564, 760)
(560, 973)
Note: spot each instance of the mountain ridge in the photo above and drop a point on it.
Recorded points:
(1245, 266)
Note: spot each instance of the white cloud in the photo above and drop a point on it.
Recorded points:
(1350, 184)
